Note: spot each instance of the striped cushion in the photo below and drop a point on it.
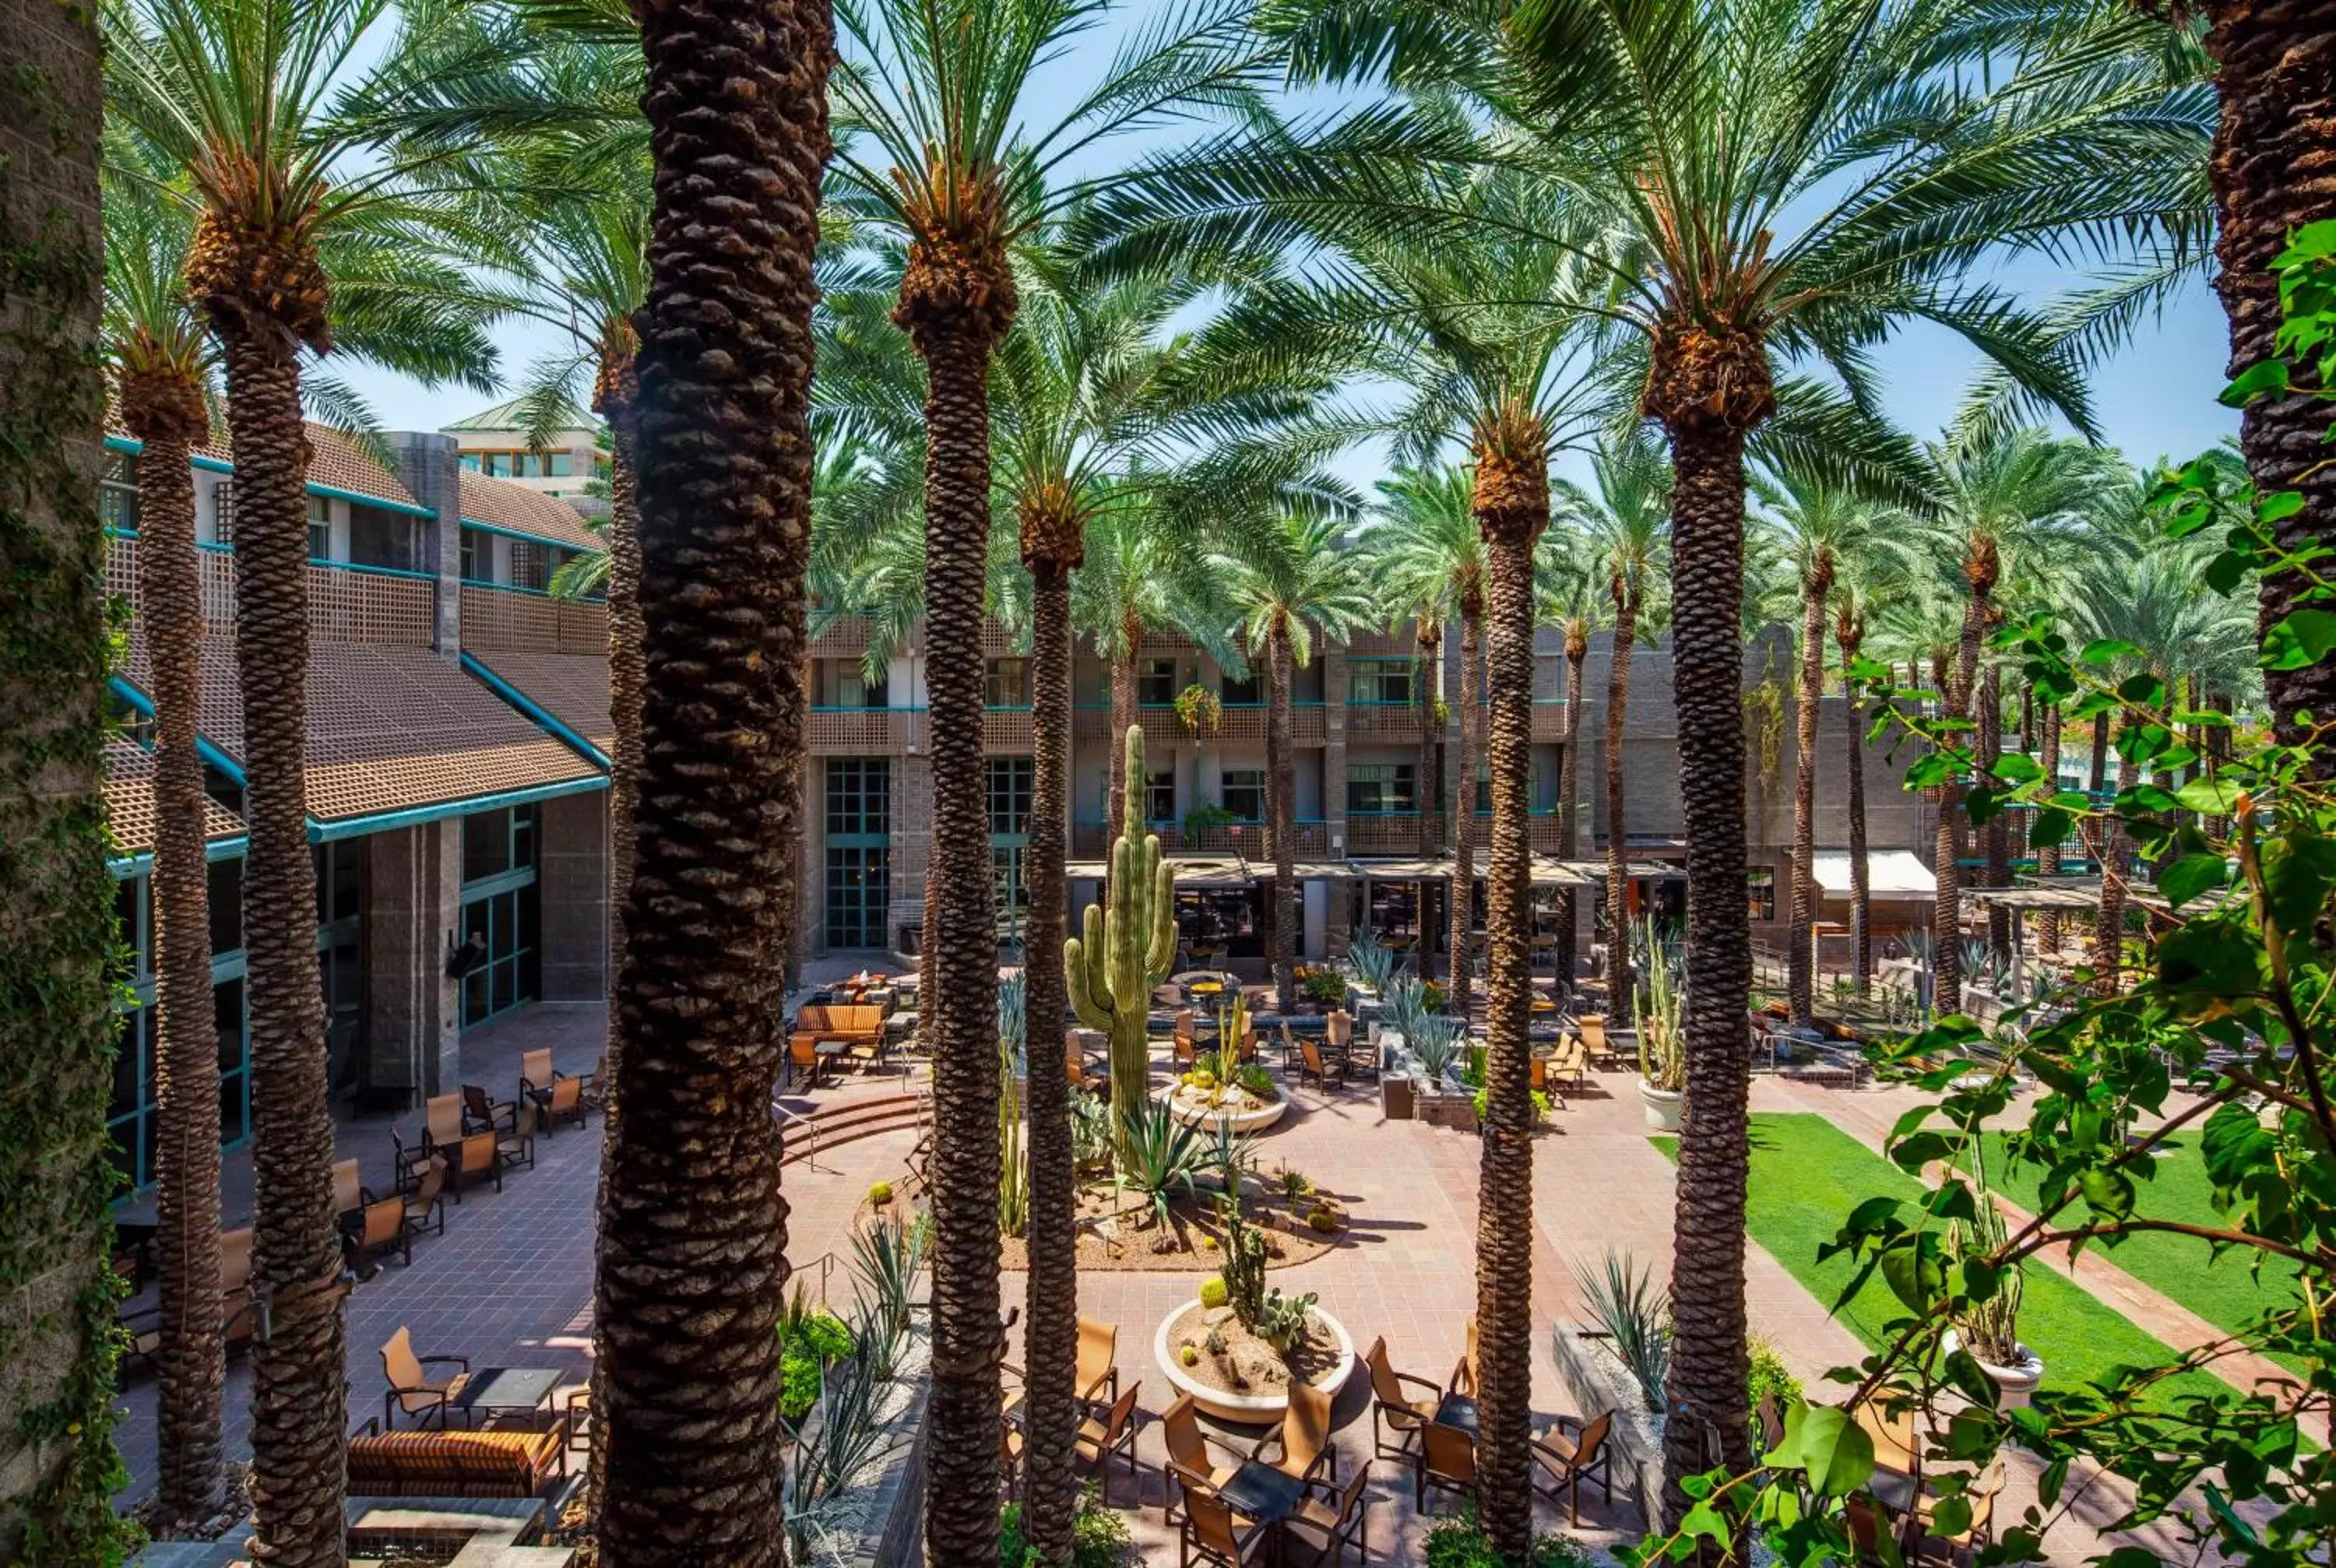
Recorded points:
(495, 1463)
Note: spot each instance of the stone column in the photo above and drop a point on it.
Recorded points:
(572, 890)
(413, 897)
(429, 465)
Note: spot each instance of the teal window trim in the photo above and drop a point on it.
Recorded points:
(507, 881)
(986, 708)
(543, 539)
(508, 588)
(123, 443)
(364, 571)
(880, 707)
(124, 867)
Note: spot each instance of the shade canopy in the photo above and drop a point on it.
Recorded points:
(1890, 874)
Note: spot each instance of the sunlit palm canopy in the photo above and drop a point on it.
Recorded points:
(1303, 577)
(1624, 517)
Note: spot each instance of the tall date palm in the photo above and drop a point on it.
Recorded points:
(946, 149)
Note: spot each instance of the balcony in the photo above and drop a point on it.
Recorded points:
(347, 603)
(1006, 728)
(1310, 840)
(1243, 724)
(497, 617)
(1387, 834)
(861, 731)
(1162, 727)
(1382, 723)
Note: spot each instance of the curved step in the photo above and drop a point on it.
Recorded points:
(848, 1125)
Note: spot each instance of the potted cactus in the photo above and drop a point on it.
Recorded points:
(1662, 1054)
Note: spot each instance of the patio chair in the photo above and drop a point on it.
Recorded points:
(1342, 1518)
(1464, 1372)
(1392, 1409)
(1570, 1064)
(235, 1259)
(349, 1194)
(564, 1103)
(1189, 1466)
(476, 1158)
(1210, 1536)
(1590, 1029)
(515, 1145)
(1304, 1436)
(1074, 1065)
(596, 1082)
(411, 1389)
(1446, 1461)
(802, 1057)
(442, 1121)
(1896, 1444)
(535, 1073)
(1097, 1439)
(1186, 1047)
(1563, 1458)
(425, 1206)
(1309, 1052)
(381, 1228)
(407, 1161)
(1099, 1362)
(1980, 1530)
(481, 1115)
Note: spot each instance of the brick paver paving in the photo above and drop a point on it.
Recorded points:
(509, 1283)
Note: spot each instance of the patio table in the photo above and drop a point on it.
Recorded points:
(505, 1390)
(1457, 1410)
(1259, 1492)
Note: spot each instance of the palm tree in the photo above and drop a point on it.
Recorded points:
(1865, 580)
(938, 97)
(1995, 501)
(1289, 586)
(1627, 518)
(722, 423)
(236, 99)
(163, 366)
(1820, 527)
(1426, 554)
(1570, 597)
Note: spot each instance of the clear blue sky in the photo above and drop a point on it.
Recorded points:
(2155, 399)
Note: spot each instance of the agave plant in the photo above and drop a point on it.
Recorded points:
(1159, 1154)
(1370, 962)
(888, 1256)
(1635, 1316)
(1437, 1042)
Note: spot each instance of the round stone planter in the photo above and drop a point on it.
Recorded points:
(1661, 1105)
(2015, 1385)
(1241, 1121)
(1252, 1409)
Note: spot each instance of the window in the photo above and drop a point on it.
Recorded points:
(1761, 882)
(859, 892)
(1381, 682)
(556, 464)
(1484, 787)
(520, 464)
(320, 528)
(223, 901)
(859, 797)
(473, 463)
(854, 690)
(1010, 779)
(1249, 689)
(117, 492)
(1380, 789)
(472, 539)
(530, 564)
(1005, 683)
(1008, 889)
(502, 913)
(1156, 682)
(1244, 794)
(1160, 794)
(129, 1117)
(223, 512)
(340, 877)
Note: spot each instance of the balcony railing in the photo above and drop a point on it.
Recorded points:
(1368, 721)
(861, 731)
(1005, 727)
(1310, 840)
(347, 603)
(1243, 723)
(1387, 833)
(500, 617)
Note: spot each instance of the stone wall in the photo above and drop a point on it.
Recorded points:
(572, 877)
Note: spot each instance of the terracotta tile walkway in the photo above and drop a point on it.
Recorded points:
(509, 1283)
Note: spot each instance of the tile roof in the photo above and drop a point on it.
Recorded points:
(129, 801)
(334, 459)
(503, 504)
(571, 687)
(390, 729)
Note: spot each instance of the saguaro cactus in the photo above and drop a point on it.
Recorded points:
(1127, 950)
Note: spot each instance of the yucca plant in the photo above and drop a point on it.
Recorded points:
(1635, 1316)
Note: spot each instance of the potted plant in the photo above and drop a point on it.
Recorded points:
(1663, 1044)
(1198, 709)
(1988, 1329)
(1237, 1346)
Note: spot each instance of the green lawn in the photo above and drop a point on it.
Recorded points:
(1806, 1174)
(2223, 1291)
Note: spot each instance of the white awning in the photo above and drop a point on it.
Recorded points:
(1890, 874)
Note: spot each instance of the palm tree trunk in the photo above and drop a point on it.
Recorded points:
(1463, 808)
(166, 415)
(1998, 840)
(2272, 149)
(692, 1267)
(299, 1402)
(1861, 873)
(1123, 714)
(2048, 856)
(1947, 907)
(1569, 813)
(1281, 783)
(1619, 1002)
(1511, 502)
(1801, 920)
(955, 336)
(1050, 1331)
(2108, 918)
(1709, 1355)
(1429, 637)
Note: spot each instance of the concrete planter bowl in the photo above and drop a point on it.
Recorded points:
(1661, 1105)
(2015, 1385)
(1194, 1114)
(1253, 1409)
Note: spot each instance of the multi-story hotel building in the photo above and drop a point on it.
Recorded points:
(459, 746)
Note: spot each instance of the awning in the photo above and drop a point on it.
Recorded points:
(1889, 874)
(1412, 871)
(1637, 871)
